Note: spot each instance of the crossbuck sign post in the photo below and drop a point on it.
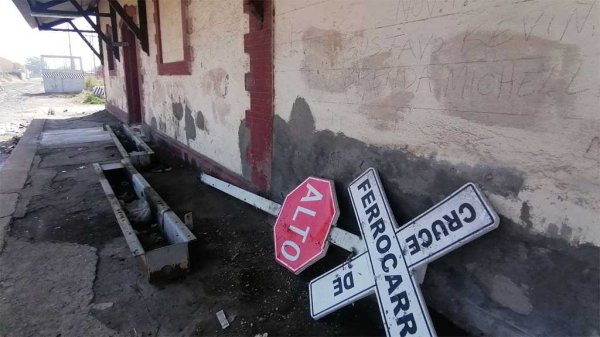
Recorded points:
(386, 267)
(388, 258)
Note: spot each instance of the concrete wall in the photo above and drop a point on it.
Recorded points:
(437, 93)
(202, 111)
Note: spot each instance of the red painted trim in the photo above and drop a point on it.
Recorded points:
(131, 62)
(181, 67)
(117, 112)
(258, 44)
(198, 160)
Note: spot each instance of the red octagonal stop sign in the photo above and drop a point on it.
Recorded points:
(302, 227)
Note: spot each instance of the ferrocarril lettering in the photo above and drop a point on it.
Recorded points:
(383, 237)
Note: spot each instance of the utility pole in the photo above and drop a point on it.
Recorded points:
(70, 52)
(93, 55)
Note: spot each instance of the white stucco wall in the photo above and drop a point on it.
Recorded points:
(214, 90)
(215, 87)
(506, 84)
(114, 85)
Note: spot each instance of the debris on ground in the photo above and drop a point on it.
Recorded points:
(189, 220)
(222, 319)
(102, 306)
(138, 211)
(161, 168)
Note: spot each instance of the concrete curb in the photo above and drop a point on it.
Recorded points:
(15, 172)
(16, 169)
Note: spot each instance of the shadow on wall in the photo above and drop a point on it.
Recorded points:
(533, 283)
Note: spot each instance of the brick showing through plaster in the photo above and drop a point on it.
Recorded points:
(258, 44)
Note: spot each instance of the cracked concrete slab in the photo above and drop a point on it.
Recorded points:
(85, 153)
(14, 173)
(4, 222)
(48, 290)
(8, 203)
(59, 138)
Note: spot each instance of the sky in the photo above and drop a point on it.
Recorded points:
(18, 41)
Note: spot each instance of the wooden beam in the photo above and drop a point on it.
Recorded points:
(140, 32)
(94, 25)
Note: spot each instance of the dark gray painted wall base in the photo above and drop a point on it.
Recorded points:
(509, 282)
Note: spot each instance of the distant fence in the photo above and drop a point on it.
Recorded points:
(62, 74)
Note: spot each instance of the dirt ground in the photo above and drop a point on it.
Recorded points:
(67, 271)
(64, 230)
(22, 101)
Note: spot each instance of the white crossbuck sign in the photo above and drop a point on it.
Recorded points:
(386, 266)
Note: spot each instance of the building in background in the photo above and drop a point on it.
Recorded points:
(8, 67)
(431, 93)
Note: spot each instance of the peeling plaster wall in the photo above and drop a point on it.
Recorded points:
(203, 110)
(437, 93)
(114, 85)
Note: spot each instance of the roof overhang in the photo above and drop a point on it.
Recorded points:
(48, 13)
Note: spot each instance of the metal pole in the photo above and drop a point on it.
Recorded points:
(93, 56)
(337, 236)
(70, 52)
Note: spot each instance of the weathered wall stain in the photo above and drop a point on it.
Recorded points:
(216, 82)
(220, 109)
(507, 273)
(526, 215)
(244, 143)
(177, 109)
(492, 78)
(505, 79)
(564, 232)
(492, 75)
(593, 150)
(216, 85)
(328, 66)
(321, 52)
(325, 43)
(181, 110)
(510, 295)
(382, 111)
(200, 122)
(190, 125)
(153, 123)
(162, 126)
(300, 150)
(511, 273)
